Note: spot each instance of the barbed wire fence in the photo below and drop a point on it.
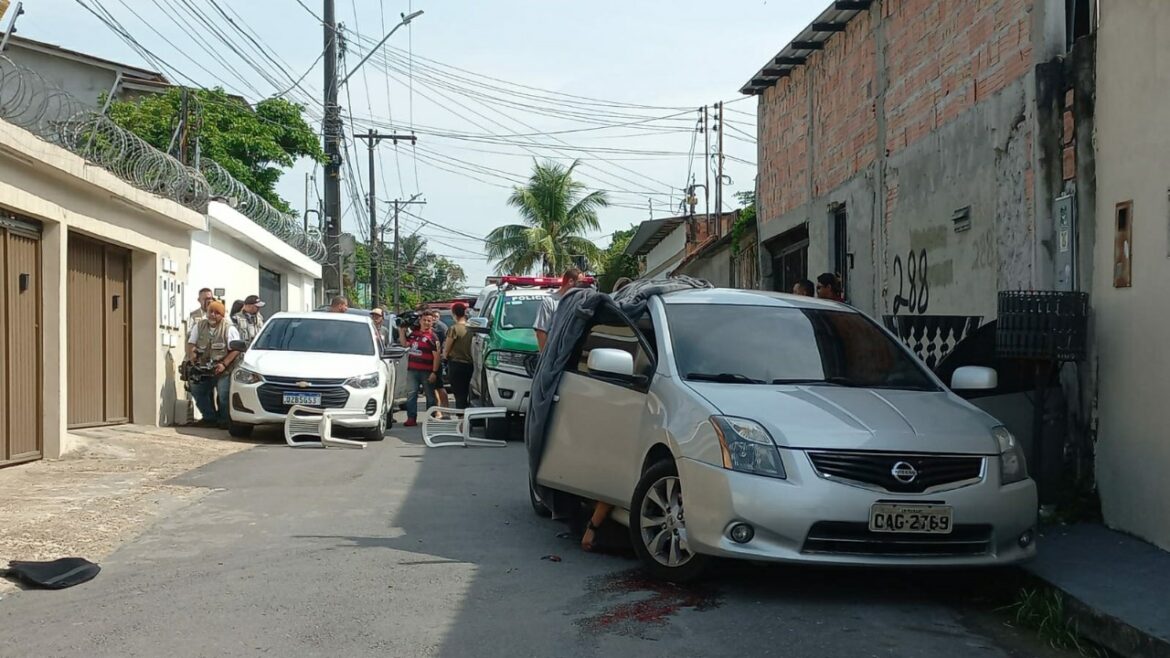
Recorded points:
(30, 102)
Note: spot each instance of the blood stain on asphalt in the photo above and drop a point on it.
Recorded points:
(658, 602)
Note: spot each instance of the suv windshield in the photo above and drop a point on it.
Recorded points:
(312, 335)
(771, 345)
(520, 311)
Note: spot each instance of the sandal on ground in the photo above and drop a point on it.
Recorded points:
(589, 536)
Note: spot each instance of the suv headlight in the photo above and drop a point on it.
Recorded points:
(244, 376)
(1012, 465)
(513, 362)
(364, 381)
(747, 447)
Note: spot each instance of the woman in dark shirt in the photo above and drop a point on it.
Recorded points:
(457, 351)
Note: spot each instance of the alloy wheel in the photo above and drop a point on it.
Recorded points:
(663, 526)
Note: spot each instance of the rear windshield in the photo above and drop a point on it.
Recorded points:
(776, 345)
(312, 335)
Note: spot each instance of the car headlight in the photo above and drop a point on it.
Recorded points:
(370, 380)
(513, 362)
(245, 376)
(747, 447)
(1012, 465)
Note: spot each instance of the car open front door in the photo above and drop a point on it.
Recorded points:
(592, 448)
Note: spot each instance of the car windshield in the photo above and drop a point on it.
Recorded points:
(773, 345)
(520, 311)
(312, 335)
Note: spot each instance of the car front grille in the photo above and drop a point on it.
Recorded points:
(847, 538)
(311, 381)
(272, 396)
(878, 469)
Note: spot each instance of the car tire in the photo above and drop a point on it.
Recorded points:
(239, 430)
(538, 505)
(662, 548)
(498, 429)
(376, 433)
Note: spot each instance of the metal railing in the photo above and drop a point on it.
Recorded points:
(30, 102)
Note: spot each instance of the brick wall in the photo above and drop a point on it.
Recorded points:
(783, 145)
(845, 121)
(944, 56)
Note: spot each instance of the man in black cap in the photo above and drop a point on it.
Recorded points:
(249, 320)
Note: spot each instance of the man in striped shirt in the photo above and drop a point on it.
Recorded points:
(423, 363)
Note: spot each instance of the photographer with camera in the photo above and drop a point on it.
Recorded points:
(423, 361)
(209, 364)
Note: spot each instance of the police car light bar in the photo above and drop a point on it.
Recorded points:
(537, 281)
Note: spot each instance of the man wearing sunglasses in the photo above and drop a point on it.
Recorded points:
(208, 346)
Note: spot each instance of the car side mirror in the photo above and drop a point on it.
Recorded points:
(974, 378)
(618, 363)
(394, 353)
(237, 346)
(478, 325)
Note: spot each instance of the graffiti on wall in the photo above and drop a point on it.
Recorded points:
(913, 288)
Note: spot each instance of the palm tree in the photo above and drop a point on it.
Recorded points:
(556, 212)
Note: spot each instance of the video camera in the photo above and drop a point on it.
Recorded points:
(407, 320)
(193, 373)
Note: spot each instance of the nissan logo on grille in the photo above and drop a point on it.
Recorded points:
(904, 472)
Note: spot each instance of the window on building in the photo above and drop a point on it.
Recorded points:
(840, 246)
(789, 258)
(1080, 17)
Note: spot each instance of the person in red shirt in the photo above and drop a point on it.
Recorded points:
(423, 363)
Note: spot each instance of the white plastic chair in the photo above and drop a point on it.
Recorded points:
(457, 423)
(310, 421)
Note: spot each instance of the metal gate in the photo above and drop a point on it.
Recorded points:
(98, 300)
(20, 351)
(271, 292)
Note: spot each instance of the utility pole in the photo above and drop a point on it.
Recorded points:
(719, 182)
(398, 246)
(372, 138)
(707, 169)
(332, 129)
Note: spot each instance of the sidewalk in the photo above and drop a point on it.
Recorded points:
(1117, 588)
(93, 499)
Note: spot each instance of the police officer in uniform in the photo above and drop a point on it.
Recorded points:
(249, 321)
(207, 345)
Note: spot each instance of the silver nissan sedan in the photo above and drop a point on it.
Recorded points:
(763, 426)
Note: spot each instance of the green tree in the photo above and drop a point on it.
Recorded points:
(425, 275)
(557, 212)
(254, 145)
(615, 263)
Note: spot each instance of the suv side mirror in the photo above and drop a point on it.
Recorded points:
(478, 325)
(394, 353)
(618, 363)
(237, 346)
(974, 378)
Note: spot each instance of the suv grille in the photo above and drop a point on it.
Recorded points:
(272, 396)
(296, 380)
(846, 538)
(877, 469)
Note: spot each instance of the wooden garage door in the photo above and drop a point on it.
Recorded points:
(20, 348)
(98, 292)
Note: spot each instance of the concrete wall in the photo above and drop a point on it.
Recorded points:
(1133, 164)
(83, 81)
(666, 254)
(714, 266)
(229, 255)
(48, 184)
(918, 110)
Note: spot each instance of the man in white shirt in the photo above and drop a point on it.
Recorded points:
(209, 344)
(548, 306)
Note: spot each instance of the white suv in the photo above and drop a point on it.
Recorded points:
(327, 360)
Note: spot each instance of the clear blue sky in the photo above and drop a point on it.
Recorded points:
(672, 55)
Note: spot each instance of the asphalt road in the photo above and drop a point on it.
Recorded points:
(400, 550)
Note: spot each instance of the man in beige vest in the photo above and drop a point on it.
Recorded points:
(208, 345)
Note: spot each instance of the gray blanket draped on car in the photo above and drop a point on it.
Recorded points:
(575, 313)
